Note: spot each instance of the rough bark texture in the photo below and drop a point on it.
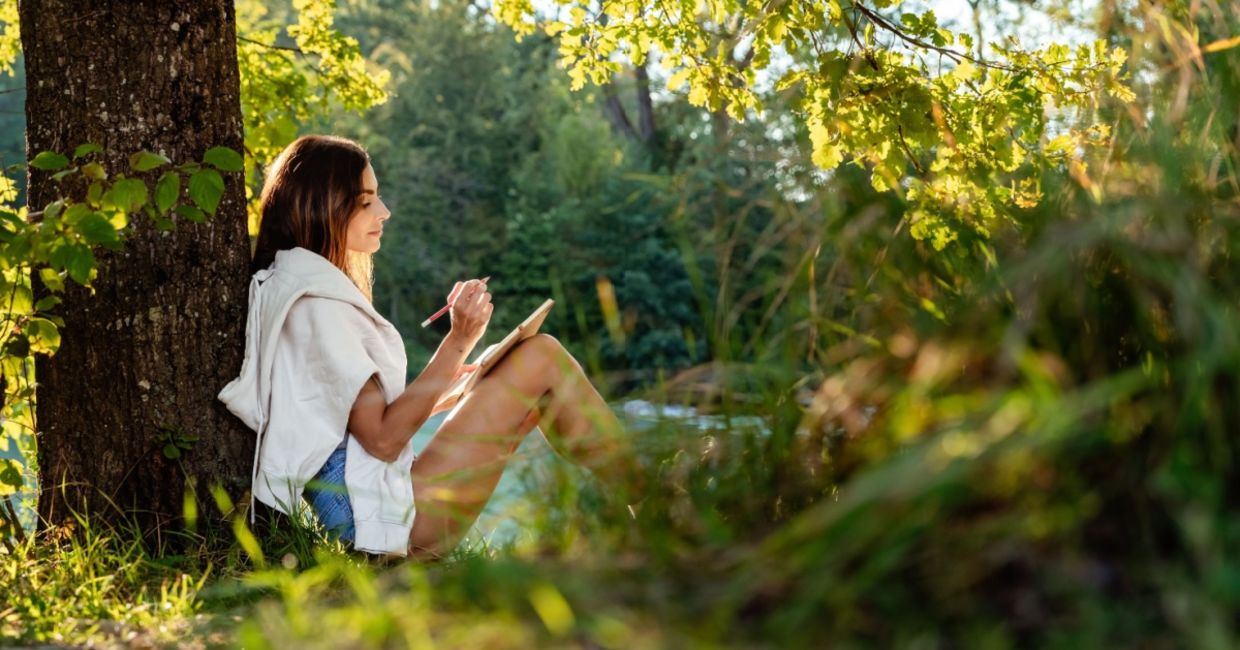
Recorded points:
(164, 330)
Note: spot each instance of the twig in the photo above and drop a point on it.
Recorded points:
(878, 20)
(852, 30)
(908, 152)
(269, 46)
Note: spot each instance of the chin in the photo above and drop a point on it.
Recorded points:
(368, 247)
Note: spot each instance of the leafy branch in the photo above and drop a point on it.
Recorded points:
(877, 19)
(57, 244)
(963, 148)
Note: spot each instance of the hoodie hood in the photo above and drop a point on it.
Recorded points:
(296, 272)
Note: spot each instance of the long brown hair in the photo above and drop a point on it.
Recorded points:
(310, 193)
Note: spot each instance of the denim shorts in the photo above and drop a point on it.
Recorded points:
(329, 499)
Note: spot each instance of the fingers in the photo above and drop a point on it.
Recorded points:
(462, 286)
(471, 299)
(473, 293)
(471, 307)
(481, 298)
(466, 289)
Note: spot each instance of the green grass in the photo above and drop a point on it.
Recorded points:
(98, 584)
(978, 532)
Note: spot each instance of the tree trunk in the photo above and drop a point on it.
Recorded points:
(144, 357)
(617, 117)
(645, 107)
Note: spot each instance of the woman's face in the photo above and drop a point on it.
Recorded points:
(366, 225)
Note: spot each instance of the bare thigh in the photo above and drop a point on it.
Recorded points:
(456, 474)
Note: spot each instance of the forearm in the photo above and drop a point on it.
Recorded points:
(384, 429)
(410, 410)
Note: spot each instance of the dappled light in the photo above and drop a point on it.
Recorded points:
(915, 326)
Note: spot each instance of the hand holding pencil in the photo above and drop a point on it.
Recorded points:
(469, 305)
(456, 289)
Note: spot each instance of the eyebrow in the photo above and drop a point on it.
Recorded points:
(368, 191)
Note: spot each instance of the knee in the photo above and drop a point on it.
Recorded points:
(543, 345)
(546, 344)
(548, 349)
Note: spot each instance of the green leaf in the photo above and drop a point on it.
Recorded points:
(80, 264)
(86, 149)
(59, 253)
(10, 477)
(191, 213)
(145, 161)
(167, 190)
(223, 159)
(53, 210)
(51, 279)
(8, 232)
(47, 302)
(96, 229)
(61, 174)
(11, 218)
(49, 161)
(43, 335)
(128, 194)
(94, 171)
(171, 451)
(206, 186)
(826, 154)
(74, 213)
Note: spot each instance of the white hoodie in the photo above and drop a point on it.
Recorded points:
(312, 340)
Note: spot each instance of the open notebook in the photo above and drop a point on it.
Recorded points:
(495, 352)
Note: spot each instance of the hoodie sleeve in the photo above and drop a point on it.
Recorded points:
(334, 336)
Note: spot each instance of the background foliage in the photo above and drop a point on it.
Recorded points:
(1009, 426)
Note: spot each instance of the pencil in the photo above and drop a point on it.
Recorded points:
(443, 310)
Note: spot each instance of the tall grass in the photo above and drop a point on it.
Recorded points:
(97, 584)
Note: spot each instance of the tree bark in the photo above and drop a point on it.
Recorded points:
(645, 107)
(617, 117)
(163, 332)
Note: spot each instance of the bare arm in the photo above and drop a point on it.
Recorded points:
(384, 429)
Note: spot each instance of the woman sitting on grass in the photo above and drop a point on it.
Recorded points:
(323, 378)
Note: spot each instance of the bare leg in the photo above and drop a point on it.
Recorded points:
(538, 382)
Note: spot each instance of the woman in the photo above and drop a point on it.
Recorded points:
(323, 379)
